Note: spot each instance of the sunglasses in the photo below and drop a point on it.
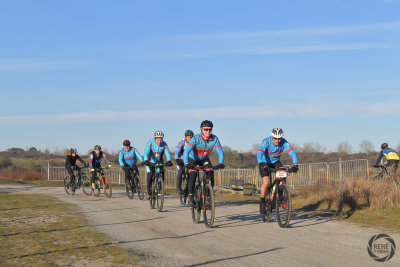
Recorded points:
(276, 138)
(207, 129)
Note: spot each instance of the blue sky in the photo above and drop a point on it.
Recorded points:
(80, 73)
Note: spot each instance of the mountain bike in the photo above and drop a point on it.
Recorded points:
(183, 196)
(133, 184)
(204, 196)
(279, 199)
(386, 173)
(101, 183)
(70, 183)
(157, 186)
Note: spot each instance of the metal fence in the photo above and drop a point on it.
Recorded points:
(308, 174)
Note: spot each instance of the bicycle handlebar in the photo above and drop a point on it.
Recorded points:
(288, 170)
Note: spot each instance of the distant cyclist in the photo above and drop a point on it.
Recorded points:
(95, 159)
(179, 159)
(197, 151)
(391, 157)
(154, 153)
(268, 157)
(128, 158)
(70, 162)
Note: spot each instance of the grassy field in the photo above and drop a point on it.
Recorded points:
(36, 230)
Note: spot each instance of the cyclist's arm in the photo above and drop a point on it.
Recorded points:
(261, 152)
(121, 159)
(146, 152)
(138, 155)
(291, 153)
(80, 159)
(219, 151)
(167, 153)
(186, 152)
(178, 150)
(379, 158)
(91, 161)
(105, 158)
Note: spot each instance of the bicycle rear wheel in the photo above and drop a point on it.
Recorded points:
(68, 186)
(86, 186)
(96, 189)
(139, 189)
(268, 211)
(196, 210)
(160, 194)
(208, 206)
(283, 206)
(106, 187)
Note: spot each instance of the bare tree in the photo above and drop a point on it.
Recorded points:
(366, 147)
(310, 147)
(344, 147)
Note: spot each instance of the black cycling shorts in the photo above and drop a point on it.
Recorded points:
(264, 173)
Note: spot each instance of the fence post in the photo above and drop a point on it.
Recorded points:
(340, 170)
(119, 176)
(48, 170)
(309, 175)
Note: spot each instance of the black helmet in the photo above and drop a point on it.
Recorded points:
(206, 123)
(97, 147)
(73, 150)
(384, 145)
(189, 133)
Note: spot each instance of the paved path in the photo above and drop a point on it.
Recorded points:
(238, 238)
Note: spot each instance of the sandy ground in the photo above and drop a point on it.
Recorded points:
(238, 238)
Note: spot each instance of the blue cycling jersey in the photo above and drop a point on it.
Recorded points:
(389, 153)
(180, 148)
(155, 152)
(270, 153)
(95, 160)
(129, 158)
(199, 148)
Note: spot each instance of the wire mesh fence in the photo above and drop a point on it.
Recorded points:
(308, 174)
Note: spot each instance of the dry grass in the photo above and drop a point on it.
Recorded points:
(21, 175)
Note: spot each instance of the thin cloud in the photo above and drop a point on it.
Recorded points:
(320, 109)
(17, 65)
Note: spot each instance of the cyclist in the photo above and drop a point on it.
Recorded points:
(128, 158)
(197, 151)
(70, 162)
(153, 153)
(268, 157)
(95, 162)
(391, 157)
(179, 159)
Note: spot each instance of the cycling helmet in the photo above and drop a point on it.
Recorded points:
(126, 143)
(277, 133)
(384, 145)
(158, 134)
(206, 123)
(189, 133)
(97, 147)
(73, 150)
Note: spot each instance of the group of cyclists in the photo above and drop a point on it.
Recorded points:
(194, 150)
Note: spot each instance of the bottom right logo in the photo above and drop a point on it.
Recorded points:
(381, 247)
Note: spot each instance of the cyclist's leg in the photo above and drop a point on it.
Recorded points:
(191, 182)
(135, 171)
(127, 174)
(70, 172)
(181, 169)
(149, 180)
(208, 162)
(265, 174)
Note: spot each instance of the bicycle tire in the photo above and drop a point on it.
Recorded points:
(67, 186)
(128, 188)
(196, 210)
(139, 189)
(160, 194)
(208, 206)
(107, 189)
(152, 197)
(268, 211)
(283, 206)
(96, 190)
(86, 186)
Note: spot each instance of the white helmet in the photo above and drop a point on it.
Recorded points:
(158, 134)
(277, 133)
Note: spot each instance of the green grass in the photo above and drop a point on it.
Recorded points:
(37, 230)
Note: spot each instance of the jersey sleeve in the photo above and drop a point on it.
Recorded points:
(379, 158)
(291, 152)
(167, 152)
(91, 161)
(138, 155)
(261, 152)
(178, 150)
(147, 152)
(80, 159)
(105, 158)
(219, 151)
(121, 159)
(187, 150)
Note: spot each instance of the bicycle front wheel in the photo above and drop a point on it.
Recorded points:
(86, 186)
(68, 186)
(208, 206)
(196, 209)
(128, 188)
(106, 187)
(283, 206)
(139, 189)
(160, 194)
